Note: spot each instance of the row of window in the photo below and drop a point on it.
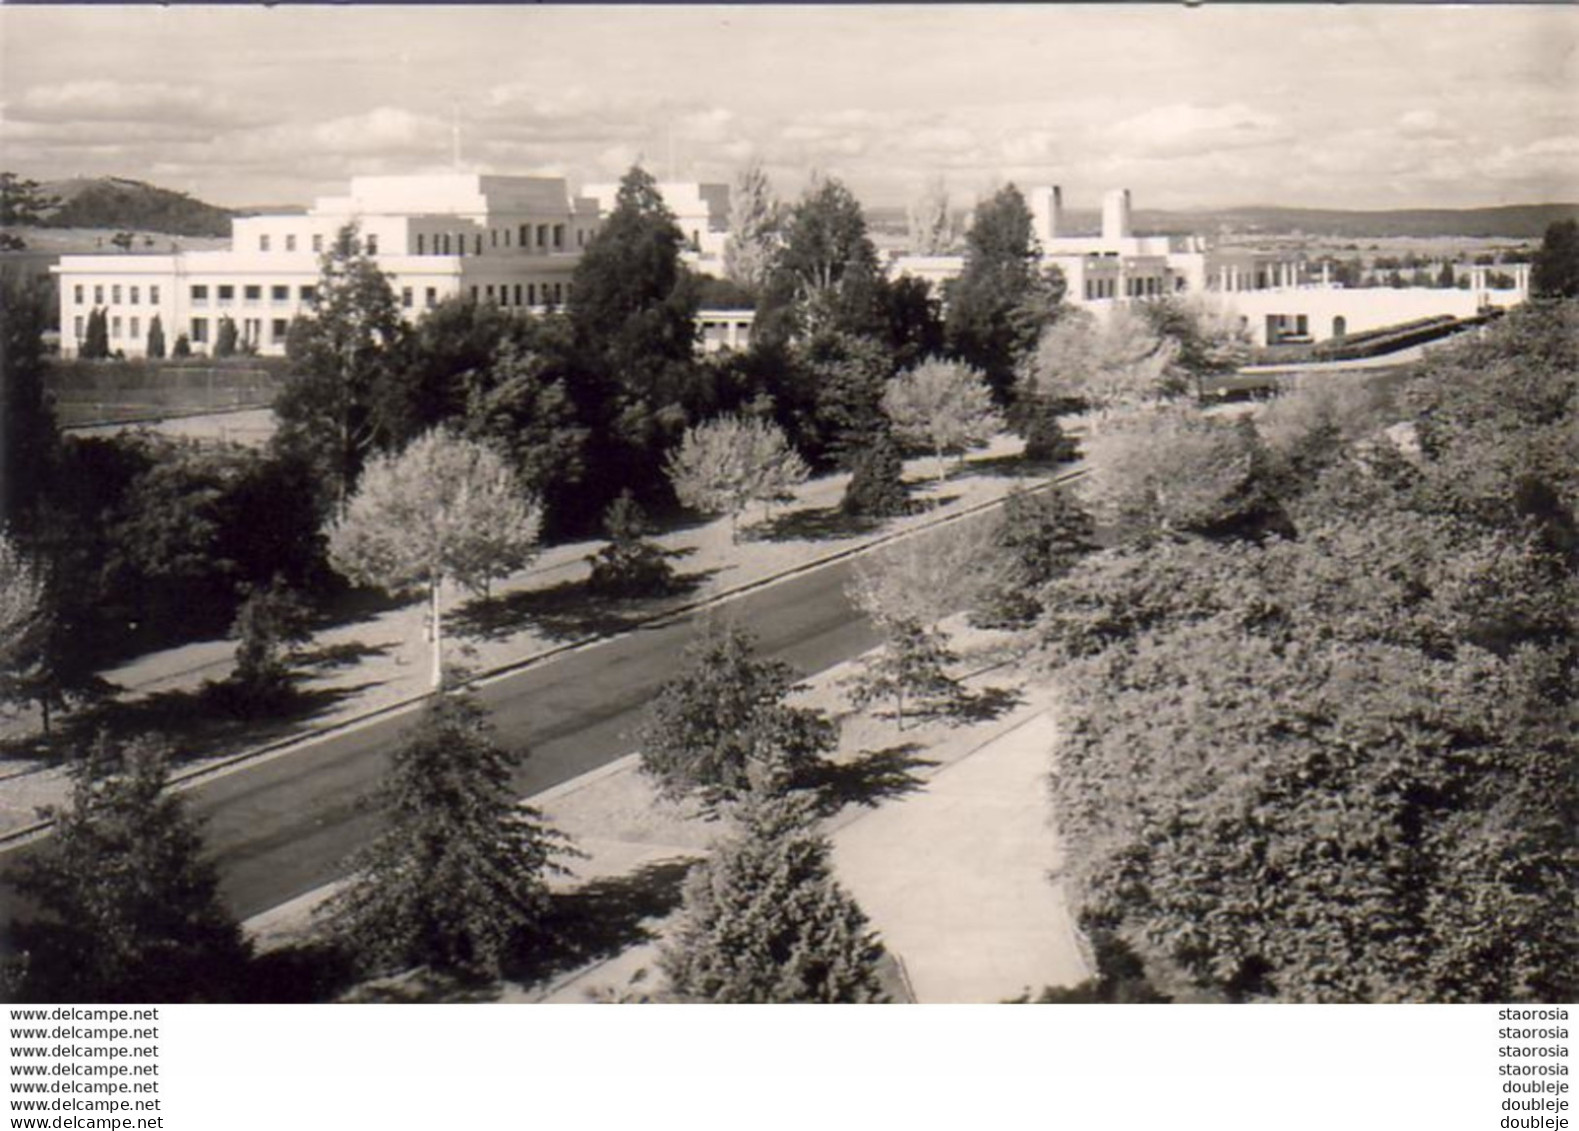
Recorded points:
(266, 243)
(79, 294)
(528, 237)
(1134, 287)
(249, 329)
(133, 330)
(251, 292)
(529, 294)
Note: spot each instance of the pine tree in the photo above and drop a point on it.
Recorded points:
(130, 911)
(765, 922)
(722, 726)
(156, 347)
(225, 337)
(877, 486)
(630, 565)
(96, 342)
(458, 876)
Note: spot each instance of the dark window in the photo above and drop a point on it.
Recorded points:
(280, 293)
(252, 293)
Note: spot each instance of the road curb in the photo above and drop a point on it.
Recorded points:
(192, 778)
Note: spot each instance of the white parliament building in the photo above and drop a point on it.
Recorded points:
(515, 241)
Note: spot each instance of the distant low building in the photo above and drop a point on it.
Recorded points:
(1278, 295)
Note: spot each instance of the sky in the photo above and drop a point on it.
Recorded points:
(1353, 106)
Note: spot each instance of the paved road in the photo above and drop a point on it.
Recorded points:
(281, 827)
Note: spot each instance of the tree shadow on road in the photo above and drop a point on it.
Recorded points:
(565, 612)
(601, 919)
(869, 779)
(199, 723)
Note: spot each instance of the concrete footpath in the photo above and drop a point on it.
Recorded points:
(955, 877)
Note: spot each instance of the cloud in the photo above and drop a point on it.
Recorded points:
(104, 100)
(1184, 129)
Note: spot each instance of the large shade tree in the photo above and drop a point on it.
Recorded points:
(725, 464)
(943, 405)
(446, 509)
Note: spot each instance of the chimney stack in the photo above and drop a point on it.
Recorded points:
(1115, 215)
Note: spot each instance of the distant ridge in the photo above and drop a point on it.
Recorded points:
(115, 202)
(1512, 221)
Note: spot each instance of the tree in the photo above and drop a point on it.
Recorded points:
(1339, 767)
(182, 347)
(225, 337)
(343, 355)
(1001, 301)
(633, 312)
(905, 588)
(1556, 270)
(129, 909)
(521, 405)
(96, 342)
(763, 920)
(1118, 362)
(944, 405)
(24, 623)
(912, 663)
(755, 220)
(826, 276)
(23, 202)
(1039, 538)
(156, 347)
(913, 318)
(271, 622)
(725, 464)
(444, 509)
(29, 438)
(722, 727)
(930, 223)
(630, 565)
(1165, 472)
(457, 878)
(877, 485)
(835, 406)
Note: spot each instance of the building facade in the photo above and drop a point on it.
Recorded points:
(510, 240)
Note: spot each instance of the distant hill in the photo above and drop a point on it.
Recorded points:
(113, 202)
(1515, 221)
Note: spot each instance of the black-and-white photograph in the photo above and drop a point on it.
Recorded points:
(840, 504)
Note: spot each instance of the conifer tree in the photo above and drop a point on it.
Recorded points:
(156, 346)
(130, 911)
(723, 723)
(877, 486)
(765, 922)
(458, 876)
